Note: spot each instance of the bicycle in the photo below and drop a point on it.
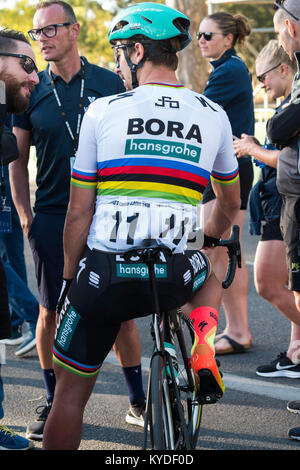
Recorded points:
(173, 415)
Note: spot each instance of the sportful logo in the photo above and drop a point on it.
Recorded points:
(94, 279)
(187, 277)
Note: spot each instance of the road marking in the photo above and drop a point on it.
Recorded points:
(240, 384)
(261, 387)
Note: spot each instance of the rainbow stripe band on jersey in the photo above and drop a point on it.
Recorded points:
(151, 178)
(170, 85)
(74, 366)
(147, 177)
(84, 179)
(225, 179)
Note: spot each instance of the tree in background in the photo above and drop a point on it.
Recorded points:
(259, 16)
(193, 69)
(94, 21)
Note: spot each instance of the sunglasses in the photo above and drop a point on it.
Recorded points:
(207, 36)
(262, 77)
(124, 46)
(116, 49)
(279, 4)
(49, 31)
(27, 62)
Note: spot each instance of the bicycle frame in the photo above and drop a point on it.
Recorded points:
(158, 323)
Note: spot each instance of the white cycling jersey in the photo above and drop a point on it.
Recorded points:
(149, 154)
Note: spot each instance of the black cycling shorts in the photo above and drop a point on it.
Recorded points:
(290, 228)
(246, 180)
(108, 290)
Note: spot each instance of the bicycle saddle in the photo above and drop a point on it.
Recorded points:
(147, 250)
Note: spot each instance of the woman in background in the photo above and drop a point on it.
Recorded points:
(276, 73)
(230, 86)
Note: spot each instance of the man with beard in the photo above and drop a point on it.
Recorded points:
(17, 92)
(18, 76)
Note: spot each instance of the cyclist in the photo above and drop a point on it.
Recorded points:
(143, 161)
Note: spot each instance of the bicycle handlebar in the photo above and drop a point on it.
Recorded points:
(234, 254)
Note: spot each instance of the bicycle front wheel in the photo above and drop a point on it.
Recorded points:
(162, 432)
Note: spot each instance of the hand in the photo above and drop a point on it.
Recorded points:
(63, 294)
(26, 224)
(244, 145)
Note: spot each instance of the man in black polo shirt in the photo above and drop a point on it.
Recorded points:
(52, 123)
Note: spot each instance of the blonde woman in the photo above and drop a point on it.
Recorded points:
(276, 72)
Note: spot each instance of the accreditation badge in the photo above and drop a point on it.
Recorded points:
(5, 219)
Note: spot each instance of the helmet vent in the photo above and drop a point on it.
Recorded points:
(120, 25)
(146, 19)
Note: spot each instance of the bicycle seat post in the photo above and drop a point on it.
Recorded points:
(150, 264)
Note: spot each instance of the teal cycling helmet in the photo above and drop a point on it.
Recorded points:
(153, 20)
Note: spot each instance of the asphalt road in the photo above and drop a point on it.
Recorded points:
(252, 414)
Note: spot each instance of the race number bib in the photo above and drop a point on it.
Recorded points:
(122, 225)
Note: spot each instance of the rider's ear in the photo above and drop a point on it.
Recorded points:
(139, 52)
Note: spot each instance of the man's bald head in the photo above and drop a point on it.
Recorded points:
(287, 27)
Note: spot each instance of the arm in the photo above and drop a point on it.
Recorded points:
(225, 209)
(19, 181)
(285, 124)
(225, 183)
(8, 147)
(77, 225)
(8, 143)
(248, 145)
(82, 195)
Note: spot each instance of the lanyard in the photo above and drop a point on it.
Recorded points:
(80, 108)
